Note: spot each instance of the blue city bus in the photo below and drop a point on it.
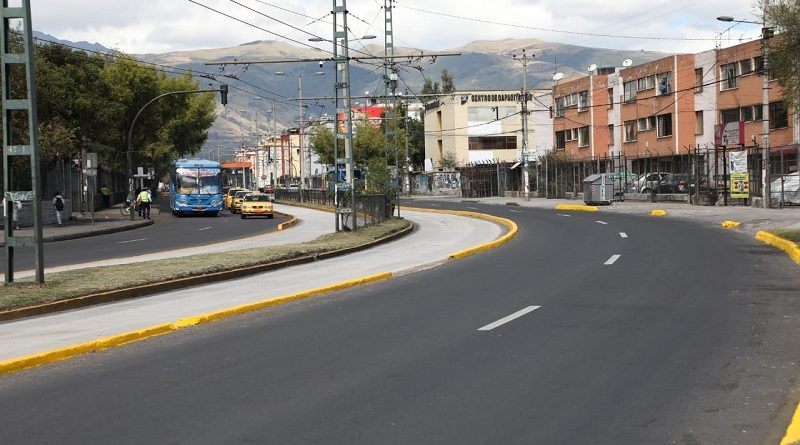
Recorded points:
(195, 187)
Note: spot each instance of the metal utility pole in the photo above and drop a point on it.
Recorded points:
(524, 99)
(390, 84)
(766, 33)
(342, 91)
(17, 104)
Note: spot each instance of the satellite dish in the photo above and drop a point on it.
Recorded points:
(558, 76)
(627, 62)
(592, 67)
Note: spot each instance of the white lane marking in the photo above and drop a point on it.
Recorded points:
(612, 260)
(623, 235)
(516, 211)
(472, 208)
(511, 317)
(436, 205)
(204, 228)
(132, 241)
(563, 214)
(602, 222)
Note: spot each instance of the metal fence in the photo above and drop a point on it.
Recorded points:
(370, 208)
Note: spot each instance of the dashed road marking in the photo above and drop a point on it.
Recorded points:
(511, 317)
(132, 241)
(472, 208)
(563, 214)
(612, 260)
(204, 228)
(516, 211)
(623, 235)
(602, 222)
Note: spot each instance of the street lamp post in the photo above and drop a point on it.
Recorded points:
(302, 117)
(766, 34)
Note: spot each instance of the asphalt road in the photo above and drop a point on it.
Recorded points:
(169, 232)
(688, 336)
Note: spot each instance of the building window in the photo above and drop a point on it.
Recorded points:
(493, 143)
(664, 83)
(583, 136)
(610, 98)
(583, 101)
(699, 124)
(744, 67)
(651, 82)
(641, 84)
(561, 105)
(489, 114)
(778, 118)
(561, 140)
(758, 112)
(629, 91)
(698, 80)
(630, 131)
(746, 114)
(758, 64)
(646, 123)
(729, 74)
(664, 125)
(730, 115)
(611, 134)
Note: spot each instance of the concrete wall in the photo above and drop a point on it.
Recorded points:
(25, 215)
(436, 184)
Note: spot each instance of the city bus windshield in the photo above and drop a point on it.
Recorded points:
(202, 181)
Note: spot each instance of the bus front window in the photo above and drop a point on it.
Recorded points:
(210, 181)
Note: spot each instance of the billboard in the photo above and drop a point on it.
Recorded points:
(740, 177)
(731, 133)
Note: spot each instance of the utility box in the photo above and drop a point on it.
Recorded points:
(598, 189)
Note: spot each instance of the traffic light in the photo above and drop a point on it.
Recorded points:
(223, 92)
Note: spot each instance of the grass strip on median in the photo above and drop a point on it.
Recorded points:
(82, 282)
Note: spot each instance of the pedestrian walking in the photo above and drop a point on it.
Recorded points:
(16, 206)
(145, 198)
(106, 192)
(58, 205)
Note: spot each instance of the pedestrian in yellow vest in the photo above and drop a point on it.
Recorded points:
(144, 199)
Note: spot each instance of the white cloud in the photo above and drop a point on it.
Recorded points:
(170, 25)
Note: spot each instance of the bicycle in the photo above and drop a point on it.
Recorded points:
(126, 209)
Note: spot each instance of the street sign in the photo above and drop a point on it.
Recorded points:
(90, 161)
(90, 171)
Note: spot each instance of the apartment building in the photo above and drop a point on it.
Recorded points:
(485, 126)
(581, 127)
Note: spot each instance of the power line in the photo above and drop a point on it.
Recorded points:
(561, 31)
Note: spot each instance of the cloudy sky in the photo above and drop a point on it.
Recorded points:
(156, 26)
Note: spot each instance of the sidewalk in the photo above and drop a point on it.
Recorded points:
(106, 221)
(752, 219)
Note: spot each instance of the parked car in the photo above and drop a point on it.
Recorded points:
(256, 204)
(652, 182)
(236, 204)
(229, 196)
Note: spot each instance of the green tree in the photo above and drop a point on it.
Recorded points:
(448, 85)
(450, 161)
(321, 140)
(429, 88)
(367, 142)
(784, 58)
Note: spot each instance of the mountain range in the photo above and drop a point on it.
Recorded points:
(481, 64)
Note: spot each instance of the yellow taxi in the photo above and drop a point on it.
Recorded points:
(229, 196)
(236, 203)
(256, 204)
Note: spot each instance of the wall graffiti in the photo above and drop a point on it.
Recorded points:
(437, 184)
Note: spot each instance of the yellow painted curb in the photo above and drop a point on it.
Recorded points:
(55, 355)
(730, 224)
(785, 245)
(287, 224)
(658, 212)
(578, 207)
(511, 225)
(792, 435)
